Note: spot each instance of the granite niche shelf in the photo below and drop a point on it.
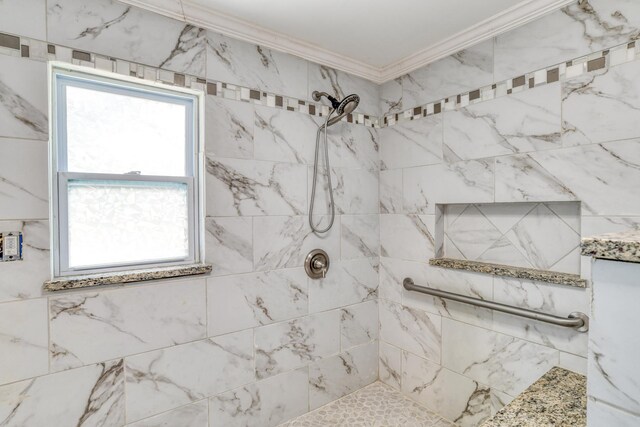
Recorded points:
(511, 271)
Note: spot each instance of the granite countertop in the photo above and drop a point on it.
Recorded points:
(558, 398)
(623, 246)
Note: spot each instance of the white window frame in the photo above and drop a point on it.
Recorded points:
(64, 74)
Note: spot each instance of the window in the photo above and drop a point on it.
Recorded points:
(126, 165)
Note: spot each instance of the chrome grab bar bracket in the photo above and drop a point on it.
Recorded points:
(576, 320)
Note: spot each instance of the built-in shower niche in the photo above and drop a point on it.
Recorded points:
(532, 240)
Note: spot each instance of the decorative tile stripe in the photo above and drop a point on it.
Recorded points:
(38, 50)
(42, 51)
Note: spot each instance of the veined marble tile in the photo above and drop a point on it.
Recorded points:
(23, 279)
(390, 365)
(471, 233)
(411, 143)
(602, 107)
(601, 176)
(594, 225)
(461, 182)
(355, 191)
(337, 376)
(500, 361)
(126, 32)
(546, 298)
(229, 244)
(23, 97)
(360, 236)
(229, 129)
(265, 403)
(165, 379)
(88, 396)
(284, 136)
(454, 396)
(24, 192)
(341, 84)
(128, 321)
(248, 188)
(391, 191)
(392, 273)
(358, 324)
(468, 69)
(246, 64)
(409, 237)
(248, 300)
(24, 339)
(574, 31)
(411, 329)
(24, 18)
(602, 414)
(193, 415)
(284, 241)
(391, 96)
(290, 345)
(354, 147)
(522, 122)
(347, 282)
(573, 363)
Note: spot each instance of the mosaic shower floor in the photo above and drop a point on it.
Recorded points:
(376, 405)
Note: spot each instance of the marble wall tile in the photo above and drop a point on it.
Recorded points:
(24, 279)
(246, 187)
(24, 18)
(284, 346)
(522, 122)
(284, 136)
(409, 237)
(347, 282)
(411, 329)
(573, 363)
(360, 236)
(24, 189)
(602, 107)
(358, 324)
(339, 84)
(391, 96)
(390, 365)
(602, 414)
(565, 34)
(229, 129)
(24, 339)
(98, 392)
(468, 69)
(509, 364)
(229, 244)
(335, 377)
(453, 396)
(248, 300)
(265, 403)
(461, 182)
(128, 321)
(356, 191)
(284, 241)
(391, 191)
(593, 225)
(193, 415)
(546, 298)
(411, 143)
(23, 98)
(246, 64)
(355, 147)
(392, 272)
(161, 380)
(126, 32)
(601, 176)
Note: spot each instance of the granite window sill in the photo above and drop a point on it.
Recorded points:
(510, 271)
(118, 278)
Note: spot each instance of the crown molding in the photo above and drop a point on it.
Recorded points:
(187, 11)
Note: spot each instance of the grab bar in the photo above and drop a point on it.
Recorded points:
(577, 320)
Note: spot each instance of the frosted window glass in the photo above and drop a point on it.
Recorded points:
(114, 222)
(113, 133)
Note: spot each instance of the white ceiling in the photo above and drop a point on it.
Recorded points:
(375, 39)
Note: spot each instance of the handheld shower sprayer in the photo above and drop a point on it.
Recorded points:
(342, 108)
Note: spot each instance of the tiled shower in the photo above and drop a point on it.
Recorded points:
(508, 152)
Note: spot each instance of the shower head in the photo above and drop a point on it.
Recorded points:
(342, 108)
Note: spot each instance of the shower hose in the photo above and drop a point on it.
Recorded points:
(332, 214)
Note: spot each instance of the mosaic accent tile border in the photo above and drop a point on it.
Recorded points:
(25, 47)
(42, 51)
